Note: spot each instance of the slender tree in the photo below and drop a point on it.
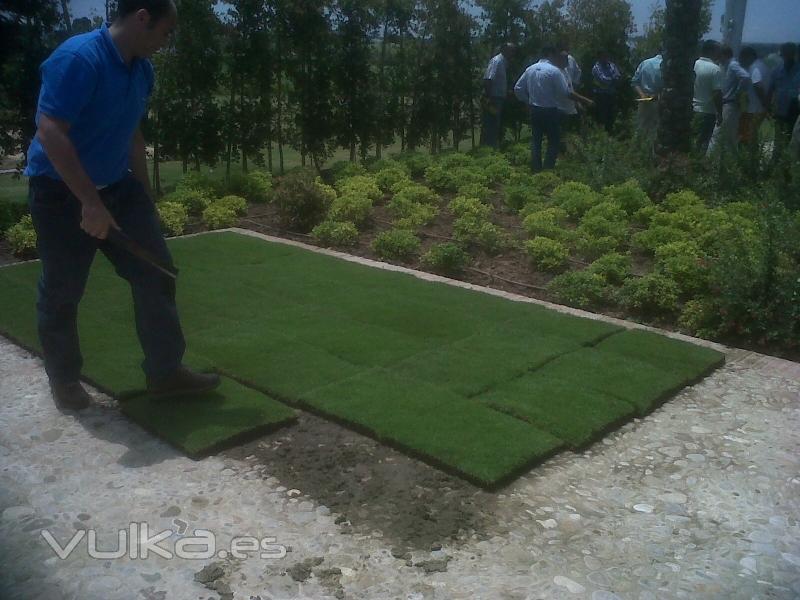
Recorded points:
(682, 30)
(354, 21)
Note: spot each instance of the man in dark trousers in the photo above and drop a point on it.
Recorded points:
(88, 173)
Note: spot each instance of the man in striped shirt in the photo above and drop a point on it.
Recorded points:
(495, 91)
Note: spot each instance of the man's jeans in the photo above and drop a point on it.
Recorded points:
(66, 253)
(703, 125)
(545, 122)
(725, 135)
(493, 122)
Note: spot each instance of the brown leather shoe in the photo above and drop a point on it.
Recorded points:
(183, 382)
(70, 396)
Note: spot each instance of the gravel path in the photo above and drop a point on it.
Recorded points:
(701, 499)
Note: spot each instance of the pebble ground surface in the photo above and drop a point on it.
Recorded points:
(701, 499)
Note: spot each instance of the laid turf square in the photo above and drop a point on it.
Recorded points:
(675, 356)
(641, 384)
(438, 426)
(203, 424)
(482, 361)
(473, 383)
(271, 362)
(574, 414)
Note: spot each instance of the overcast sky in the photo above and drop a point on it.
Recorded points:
(767, 20)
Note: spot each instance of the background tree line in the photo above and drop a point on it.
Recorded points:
(244, 80)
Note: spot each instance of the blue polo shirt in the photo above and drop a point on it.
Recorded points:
(86, 83)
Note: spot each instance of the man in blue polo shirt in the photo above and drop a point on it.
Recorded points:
(88, 173)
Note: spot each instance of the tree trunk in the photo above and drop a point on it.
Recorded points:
(382, 83)
(65, 15)
(681, 36)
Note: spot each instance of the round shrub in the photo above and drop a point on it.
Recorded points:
(416, 162)
(22, 237)
(336, 233)
(360, 185)
(409, 214)
(613, 267)
(519, 155)
(446, 258)
(301, 202)
(591, 246)
(580, 289)
(496, 168)
(521, 177)
(654, 294)
(199, 182)
(474, 175)
(195, 201)
(455, 160)
(351, 206)
(418, 193)
(575, 198)
(173, 217)
(518, 196)
(629, 196)
(474, 190)
(255, 186)
(685, 264)
(392, 178)
(610, 211)
(546, 222)
(344, 169)
(11, 212)
(545, 182)
(547, 254)
(461, 206)
(442, 179)
(476, 231)
(396, 244)
(698, 317)
(656, 236)
(235, 203)
(682, 199)
(644, 216)
(328, 191)
(219, 216)
(374, 166)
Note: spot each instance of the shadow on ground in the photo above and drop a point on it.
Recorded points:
(372, 486)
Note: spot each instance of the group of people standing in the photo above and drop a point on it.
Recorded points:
(732, 98)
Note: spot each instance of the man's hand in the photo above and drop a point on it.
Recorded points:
(95, 220)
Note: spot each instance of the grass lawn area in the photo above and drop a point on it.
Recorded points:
(477, 385)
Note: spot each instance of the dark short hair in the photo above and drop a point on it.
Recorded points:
(789, 48)
(157, 8)
(710, 47)
(549, 51)
(748, 51)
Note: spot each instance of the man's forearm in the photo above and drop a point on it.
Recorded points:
(139, 162)
(64, 157)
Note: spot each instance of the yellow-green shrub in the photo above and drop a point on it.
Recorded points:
(173, 217)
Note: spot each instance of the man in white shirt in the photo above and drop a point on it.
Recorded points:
(736, 82)
(756, 110)
(648, 83)
(707, 94)
(543, 87)
(495, 91)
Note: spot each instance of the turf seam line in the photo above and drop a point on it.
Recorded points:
(593, 439)
(401, 448)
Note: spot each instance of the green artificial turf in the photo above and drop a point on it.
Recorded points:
(203, 424)
(473, 383)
